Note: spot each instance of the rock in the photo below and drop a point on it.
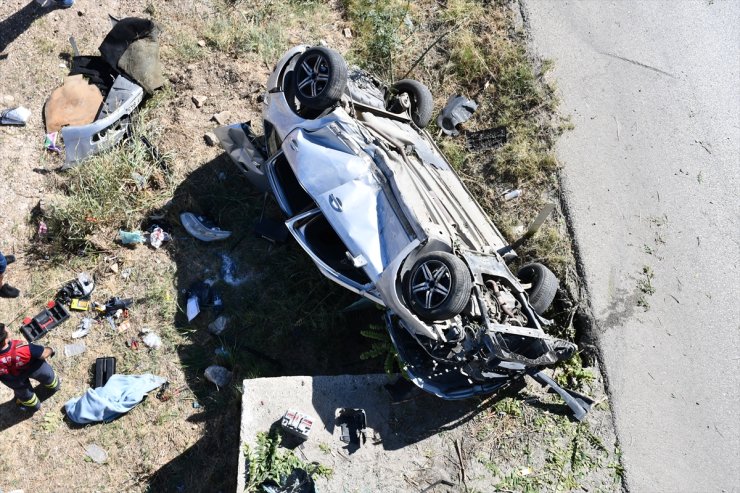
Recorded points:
(80, 13)
(218, 375)
(8, 99)
(113, 267)
(221, 118)
(199, 101)
(96, 453)
(190, 67)
(347, 32)
(211, 139)
(323, 42)
(201, 43)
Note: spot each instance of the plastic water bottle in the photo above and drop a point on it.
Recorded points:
(74, 349)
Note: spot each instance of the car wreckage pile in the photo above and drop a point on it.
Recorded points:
(372, 200)
(93, 108)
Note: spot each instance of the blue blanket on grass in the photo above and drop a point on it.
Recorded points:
(118, 396)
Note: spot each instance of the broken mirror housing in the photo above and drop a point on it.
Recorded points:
(109, 127)
(375, 204)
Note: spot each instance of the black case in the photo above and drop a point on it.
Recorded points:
(104, 369)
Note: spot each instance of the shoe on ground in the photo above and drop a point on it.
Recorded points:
(8, 291)
(9, 259)
(28, 409)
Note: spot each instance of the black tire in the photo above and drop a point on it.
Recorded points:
(544, 286)
(438, 286)
(422, 102)
(320, 78)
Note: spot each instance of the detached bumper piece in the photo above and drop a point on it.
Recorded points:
(201, 228)
(580, 404)
(109, 127)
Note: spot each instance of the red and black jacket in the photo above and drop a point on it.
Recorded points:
(15, 359)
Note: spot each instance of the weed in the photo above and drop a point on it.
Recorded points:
(509, 406)
(572, 374)
(266, 462)
(381, 346)
(645, 287)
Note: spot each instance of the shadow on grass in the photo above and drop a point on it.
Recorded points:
(285, 318)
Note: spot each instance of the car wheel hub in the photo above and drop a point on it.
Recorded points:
(430, 284)
(313, 75)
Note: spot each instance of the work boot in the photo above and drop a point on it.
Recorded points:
(54, 386)
(32, 405)
(8, 291)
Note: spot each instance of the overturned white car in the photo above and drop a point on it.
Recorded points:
(372, 200)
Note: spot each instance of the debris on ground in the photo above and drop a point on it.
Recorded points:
(76, 103)
(132, 46)
(50, 142)
(218, 375)
(157, 236)
(218, 325)
(490, 138)
(512, 194)
(130, 237)
(199, 101)
(96, 453)
(458, 110)
(71, 350)
(210, 139)
(83, 329)
(118, 396)
(15, 116)
(297, 423)
(152, 340)
(38, 326)
(105, 368)
(222, 117)
(202, 228)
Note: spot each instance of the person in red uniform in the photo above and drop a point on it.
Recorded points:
(19, 362)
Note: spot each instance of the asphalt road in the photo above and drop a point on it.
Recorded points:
(651, 175)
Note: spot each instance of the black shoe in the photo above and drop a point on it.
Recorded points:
(9, 259)
(8, 291)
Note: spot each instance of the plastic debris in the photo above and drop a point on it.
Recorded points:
(96, 453)
(43, 230)
(152, 340)
(489, 138)
(15, 116)
(74, 349)
(218, 325)
(158, 236)
(86, 283)
(193, 308)
(458, 110)
(512, 194)
(83, 329)
(130, 237)
(218, 375)
(50, 142)
(202, 228)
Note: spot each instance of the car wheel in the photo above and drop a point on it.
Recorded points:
(438, 286)
(320, 78)
(544, 286)
(422, 103)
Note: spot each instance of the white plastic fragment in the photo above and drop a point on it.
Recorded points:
(15, 116)
(193, 308)
(83, 329)
(74, 349)
(152, 340)
(96, 453)
(218, 325)
(218, 375)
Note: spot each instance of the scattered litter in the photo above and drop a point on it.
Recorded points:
(113, 267)
(201, 43)
(218, 325)
(352, 425)
(71, 350)
(83, 329)
(157, 236)
(458, 110)
(196, 405)
(222, 117)
(130, 237)
(202, 228)
(211, 139)
(15, 116)
(218, 375)
(512, 194)
(133, 343)
(79, 305)
(297, 423)
(199, 101)
(489, 138)
(97, 454)
(152, 340)
(347, 32)
(43, 230)
(50, 142)
(126, 273)
(119, 395)
(228, 272)
(123, 326)
(193, 308)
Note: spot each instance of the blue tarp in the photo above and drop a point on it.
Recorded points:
(119, 395)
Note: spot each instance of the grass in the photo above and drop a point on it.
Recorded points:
(645, 287)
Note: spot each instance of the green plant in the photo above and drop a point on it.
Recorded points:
(645, 287)
(381, 346)
(265, 461)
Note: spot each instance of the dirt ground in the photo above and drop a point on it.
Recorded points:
(185, 443)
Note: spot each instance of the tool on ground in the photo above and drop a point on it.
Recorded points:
(79, 305)
(51, 316)
(352, 424)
